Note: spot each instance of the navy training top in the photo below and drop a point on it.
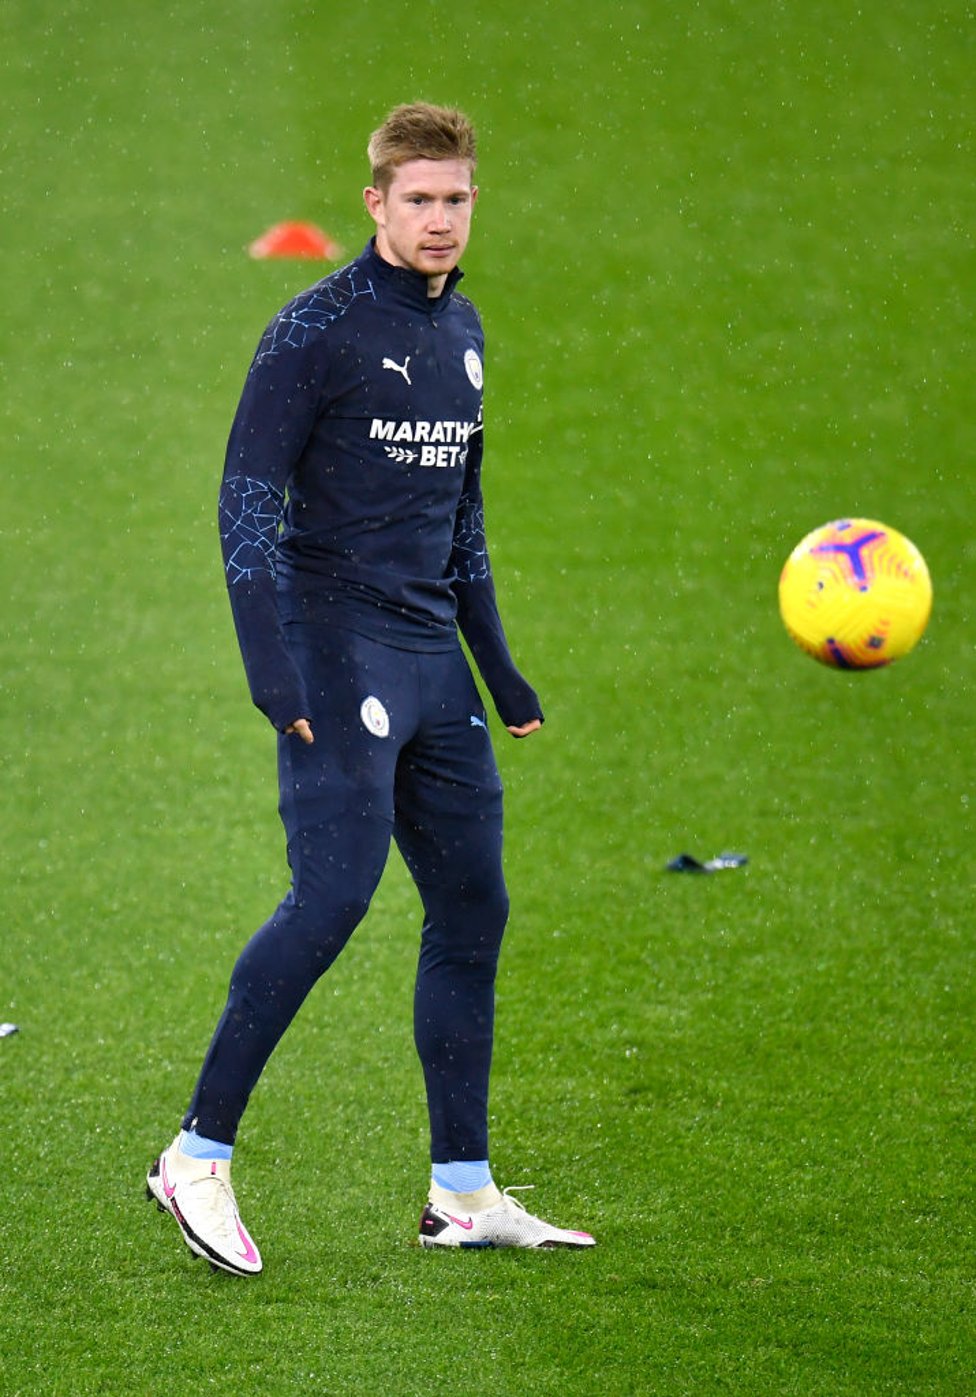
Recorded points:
(351, 492)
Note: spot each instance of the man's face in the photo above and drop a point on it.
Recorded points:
(424, 218)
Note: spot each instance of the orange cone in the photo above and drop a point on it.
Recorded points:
(296, 240)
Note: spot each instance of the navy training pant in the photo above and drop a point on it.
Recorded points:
(401, 748)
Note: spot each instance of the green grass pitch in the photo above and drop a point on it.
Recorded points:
(724, 256)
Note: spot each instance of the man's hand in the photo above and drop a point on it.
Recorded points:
(525, 728)
(301, 728)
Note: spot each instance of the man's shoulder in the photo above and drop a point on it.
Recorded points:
(467, 311)
(314, 311)
(464, 303)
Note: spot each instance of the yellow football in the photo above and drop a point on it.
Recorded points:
(855, 594)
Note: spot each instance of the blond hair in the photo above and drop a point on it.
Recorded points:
(419, 131)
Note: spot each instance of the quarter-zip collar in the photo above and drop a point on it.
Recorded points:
(408, 285)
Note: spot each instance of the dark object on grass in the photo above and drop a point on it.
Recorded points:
(684, 863)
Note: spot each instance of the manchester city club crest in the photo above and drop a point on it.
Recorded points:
(375, 717)
(473, 366)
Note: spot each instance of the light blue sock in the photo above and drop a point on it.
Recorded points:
(199, 1147)
(462, 1175)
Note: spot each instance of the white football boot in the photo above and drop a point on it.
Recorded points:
(198, 1194)
(489, 1219)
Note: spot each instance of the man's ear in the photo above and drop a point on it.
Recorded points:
(373, 199)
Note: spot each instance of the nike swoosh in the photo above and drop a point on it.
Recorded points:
(250, 1251)
(168, 1188)
(461, 1223)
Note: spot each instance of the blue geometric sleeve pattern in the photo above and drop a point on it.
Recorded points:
(471, 560)
(312, 311)
(250, 513)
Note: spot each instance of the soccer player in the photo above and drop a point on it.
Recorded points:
(353, 537)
